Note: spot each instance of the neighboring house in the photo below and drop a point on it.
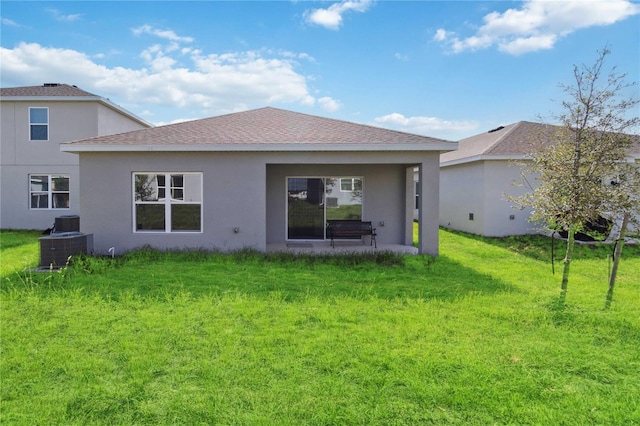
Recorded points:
(38, 181)
(253, 179)
(476, 180)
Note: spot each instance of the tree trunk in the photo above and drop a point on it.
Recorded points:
(571, 238)
(616, 258)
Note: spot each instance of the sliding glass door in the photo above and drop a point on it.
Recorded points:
(312, 202)
(305, 211)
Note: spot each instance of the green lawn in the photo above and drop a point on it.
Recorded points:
(475, 336)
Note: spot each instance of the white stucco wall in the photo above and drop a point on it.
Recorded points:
(461, 194)
(501, 216)
(482, 188)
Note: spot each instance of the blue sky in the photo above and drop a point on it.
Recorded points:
(447, 69)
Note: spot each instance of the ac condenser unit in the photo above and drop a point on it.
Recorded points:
(56, 249)
(69, 223)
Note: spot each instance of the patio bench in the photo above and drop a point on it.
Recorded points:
(350, 229)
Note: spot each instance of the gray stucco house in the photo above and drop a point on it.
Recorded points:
(254, 179)
(38, 182)
(476, 179)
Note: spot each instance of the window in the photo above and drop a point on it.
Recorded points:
(48, 191)
(38, 124)
(180, 211)
(347, 184)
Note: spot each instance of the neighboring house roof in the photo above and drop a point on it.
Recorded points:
(56, 92)
(47, 89)
(263, 129)
(511, 142)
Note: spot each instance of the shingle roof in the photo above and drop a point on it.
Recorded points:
(263, 126)
(509, 142)
(47, 89)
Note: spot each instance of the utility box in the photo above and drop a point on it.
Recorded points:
(57, 247)
(69, 223)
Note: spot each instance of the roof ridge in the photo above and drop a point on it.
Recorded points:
(339, 120)
(510, 129)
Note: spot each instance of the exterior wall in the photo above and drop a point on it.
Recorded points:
(111, 122)
(20, 157)
(15, 210)
(482, 188)
(429, 205)
(246, 191)
(461, 194)
(500, 216)
(233, 196)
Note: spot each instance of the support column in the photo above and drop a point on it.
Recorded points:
(429, 203)
(409, 206)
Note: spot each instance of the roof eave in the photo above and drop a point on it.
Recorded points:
(475, 158)
(255, 147)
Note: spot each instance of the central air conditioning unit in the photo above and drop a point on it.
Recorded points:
(70, 223)
(66, 240)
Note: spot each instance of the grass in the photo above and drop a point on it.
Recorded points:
(475, 336)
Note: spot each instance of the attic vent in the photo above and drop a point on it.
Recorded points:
(51, 84)
(496, 129)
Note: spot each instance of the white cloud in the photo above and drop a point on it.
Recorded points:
(441, 35)
(9, 22)
(329, 104)
(173, 79)
(424, 125)
(165, 34)
(538, 24)
(331, 17)
(59, 16)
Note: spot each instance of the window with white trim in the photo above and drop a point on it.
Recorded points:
(48, 192)
(347, 184)
(38, 124)
(177, 210)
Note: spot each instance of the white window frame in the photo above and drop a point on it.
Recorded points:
(50, 192)
(167, 202)
(39, 124)
(351, 181)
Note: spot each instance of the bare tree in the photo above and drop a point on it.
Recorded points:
(576, 165)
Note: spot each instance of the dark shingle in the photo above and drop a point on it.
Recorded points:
(47, 89)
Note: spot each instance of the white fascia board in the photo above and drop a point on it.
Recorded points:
(276, 147)
(483, 158)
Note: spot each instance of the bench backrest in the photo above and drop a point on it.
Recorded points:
(349, 225)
